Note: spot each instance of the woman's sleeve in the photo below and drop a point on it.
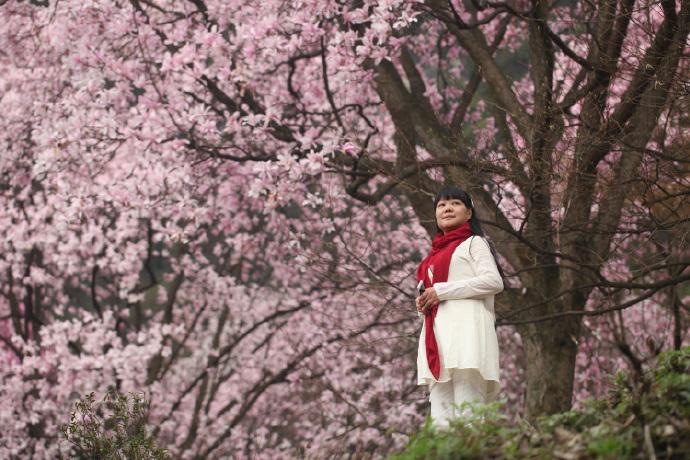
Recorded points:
(487, 281)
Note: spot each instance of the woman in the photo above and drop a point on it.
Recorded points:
(458, 348)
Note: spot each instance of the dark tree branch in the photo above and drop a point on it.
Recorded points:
(327, 89)
(580, 313)
(475, 80)
(567, 51)
(94, 297)
(474, 43)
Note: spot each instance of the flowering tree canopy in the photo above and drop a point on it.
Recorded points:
(223, 203)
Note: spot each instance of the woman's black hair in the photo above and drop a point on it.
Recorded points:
(451, 192)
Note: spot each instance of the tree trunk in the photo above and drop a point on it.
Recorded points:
(550, 351)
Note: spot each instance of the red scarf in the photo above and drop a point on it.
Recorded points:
(437, 262)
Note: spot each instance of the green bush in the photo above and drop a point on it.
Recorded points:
(114, 428)
(639, 419)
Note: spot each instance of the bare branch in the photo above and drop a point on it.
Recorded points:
(329, 93)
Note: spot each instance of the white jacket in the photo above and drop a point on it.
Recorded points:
(464, 325)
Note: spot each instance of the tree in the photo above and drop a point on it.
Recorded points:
(178, 169)
(572, 140)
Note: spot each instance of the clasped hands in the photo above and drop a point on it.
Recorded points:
(426, 301)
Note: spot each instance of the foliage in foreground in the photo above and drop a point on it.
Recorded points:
(114, 428)
(642, 418)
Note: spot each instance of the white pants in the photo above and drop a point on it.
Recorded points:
(465, 385)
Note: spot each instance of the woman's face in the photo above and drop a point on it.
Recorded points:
(451, 214)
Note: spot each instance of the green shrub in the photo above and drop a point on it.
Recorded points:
(638, 417)
(114, 428)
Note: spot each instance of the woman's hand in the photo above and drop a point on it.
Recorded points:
(427, 300)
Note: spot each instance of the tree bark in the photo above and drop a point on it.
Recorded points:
(550, 349)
